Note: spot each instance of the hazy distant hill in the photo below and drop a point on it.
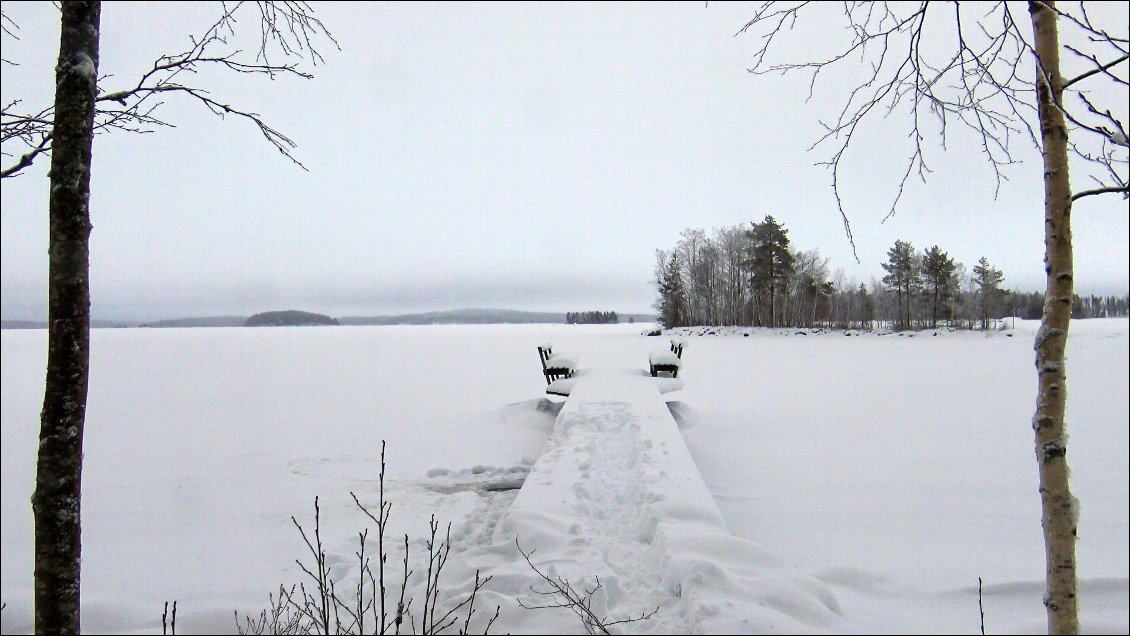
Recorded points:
(22, 324)
(474, 317)
(206, 321)
(453, 317)
(40, 324)
(288, 318)
(458, 317)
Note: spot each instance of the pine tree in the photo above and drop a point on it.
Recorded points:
(902, 278)
(672, 301)
(771, 263)
(866, 307)
(989, 293)
(938, 274)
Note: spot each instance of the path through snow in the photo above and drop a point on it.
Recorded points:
(616, 496)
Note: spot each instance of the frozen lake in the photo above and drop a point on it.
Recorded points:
(894, 470)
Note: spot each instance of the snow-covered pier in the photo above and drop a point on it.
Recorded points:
(616, 496)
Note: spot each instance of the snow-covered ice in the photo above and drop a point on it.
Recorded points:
(842, 484)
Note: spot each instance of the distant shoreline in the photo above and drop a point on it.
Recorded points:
(452, 317)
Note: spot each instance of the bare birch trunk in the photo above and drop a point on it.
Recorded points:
(57, 497)
(1059, 506)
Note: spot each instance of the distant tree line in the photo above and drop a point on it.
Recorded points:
(1029, 305)
(753, 276)
(591, 318)
(1100, 307)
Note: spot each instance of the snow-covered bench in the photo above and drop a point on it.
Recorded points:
(667, 360)
(556, 365)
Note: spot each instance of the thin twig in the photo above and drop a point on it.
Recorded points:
(981, 606)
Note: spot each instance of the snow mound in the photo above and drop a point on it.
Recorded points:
(479, 478)
(664, 357)
(561, 361)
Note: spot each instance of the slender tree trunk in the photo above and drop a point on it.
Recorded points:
(898, 311)
(898, 317)
(55, 503)
(772, 304)
(934, 312)
(906, 306)
(1060, 514)
(906, 320)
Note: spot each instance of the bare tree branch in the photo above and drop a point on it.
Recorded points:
(1097, 34)
(1099, 68)
(980, 81)
(8, 25)
(290, 28)
(27, 159)
(975, 79)
(978, 84)
(9, 28)
(563, 595)
(1125, 190)
(1106, 157)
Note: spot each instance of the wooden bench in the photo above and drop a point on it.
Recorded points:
(667, 361)
(556, 365)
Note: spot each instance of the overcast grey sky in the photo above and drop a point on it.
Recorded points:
(528, 156)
